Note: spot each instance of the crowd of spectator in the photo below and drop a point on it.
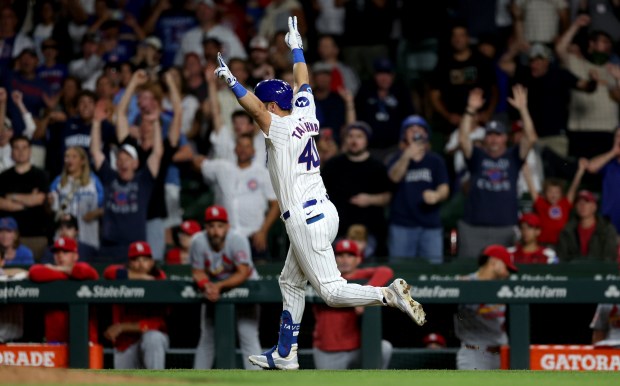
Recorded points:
(446, 126)
(457, 117)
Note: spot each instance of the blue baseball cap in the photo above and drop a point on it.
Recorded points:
(414, 120)
(8, 224)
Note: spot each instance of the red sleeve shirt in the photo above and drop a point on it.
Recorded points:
(553, 218)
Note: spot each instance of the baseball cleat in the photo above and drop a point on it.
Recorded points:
(398, 295)
(271, 360)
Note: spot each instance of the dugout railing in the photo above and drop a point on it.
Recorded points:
(573, 283)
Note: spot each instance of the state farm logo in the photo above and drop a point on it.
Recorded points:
(111, 291)
(19, 292)
(612, 292)
(190, 292)
(436, 291)
(236, 293)
(542, 292)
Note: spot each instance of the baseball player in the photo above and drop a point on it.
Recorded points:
(337, 334)
(480, 327)
(66, 267)
(287, 118)
(138, 332)
(606, 326)
(221, 260)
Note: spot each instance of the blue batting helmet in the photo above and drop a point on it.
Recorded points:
(275, 90)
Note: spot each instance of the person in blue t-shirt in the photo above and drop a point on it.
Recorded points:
(15, 253)
(128, 189)
(51, 71)
(608, 164)
(491, 207)
(422, 178)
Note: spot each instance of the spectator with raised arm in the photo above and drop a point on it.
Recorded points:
(592, 116)
(6, 133)
(608, 164)
(140, 137)
(491, 207)
(127, 189)
(552, 206)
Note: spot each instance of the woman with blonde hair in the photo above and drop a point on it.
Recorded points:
(78, 192)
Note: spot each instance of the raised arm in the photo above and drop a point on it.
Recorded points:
(295, 43)
(474, 102)
(247, 100)
(214, 102)
(174, 132)
(601, 160)
(529, 181)
(95, 135)
(18, 100)
(561, 47)
(154, 160)
(139, 77)
(519, 102)
(572, 190)
(349, 103)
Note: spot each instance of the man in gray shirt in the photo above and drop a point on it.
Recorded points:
(480, 327)
(221, 260)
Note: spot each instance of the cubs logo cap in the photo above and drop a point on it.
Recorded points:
(501, 253)
(65, 244)
(190, 227)
(347, 246)
(216, 213)
(139, 248)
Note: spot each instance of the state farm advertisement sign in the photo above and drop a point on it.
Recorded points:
(574, 358)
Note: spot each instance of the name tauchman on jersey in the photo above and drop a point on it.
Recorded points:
(305, 127)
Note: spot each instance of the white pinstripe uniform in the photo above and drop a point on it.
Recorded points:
(311, 219)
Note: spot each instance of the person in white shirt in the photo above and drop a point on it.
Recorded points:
(209, 27)
(244, 189)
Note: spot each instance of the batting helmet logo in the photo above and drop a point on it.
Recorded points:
(275, 90)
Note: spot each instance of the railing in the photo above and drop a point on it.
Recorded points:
(551, 284)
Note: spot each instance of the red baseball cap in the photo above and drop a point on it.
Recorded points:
(586, 195)
(500, 252)
(434, 338)
(190, 227)
(65, 244)
(530, 219)
(139, 248)
(216, 213)
(347, 246)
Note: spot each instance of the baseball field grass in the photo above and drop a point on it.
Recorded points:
(328, 378)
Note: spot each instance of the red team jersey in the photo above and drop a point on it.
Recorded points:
(149, 317)
(552, 218)
(337, 329)
(57, 319)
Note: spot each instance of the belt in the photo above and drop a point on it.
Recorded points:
(489, 349)
(314, 201)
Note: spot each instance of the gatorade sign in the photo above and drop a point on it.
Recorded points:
(568, 358)
(45, 355)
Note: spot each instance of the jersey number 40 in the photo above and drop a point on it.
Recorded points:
(310, 155)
